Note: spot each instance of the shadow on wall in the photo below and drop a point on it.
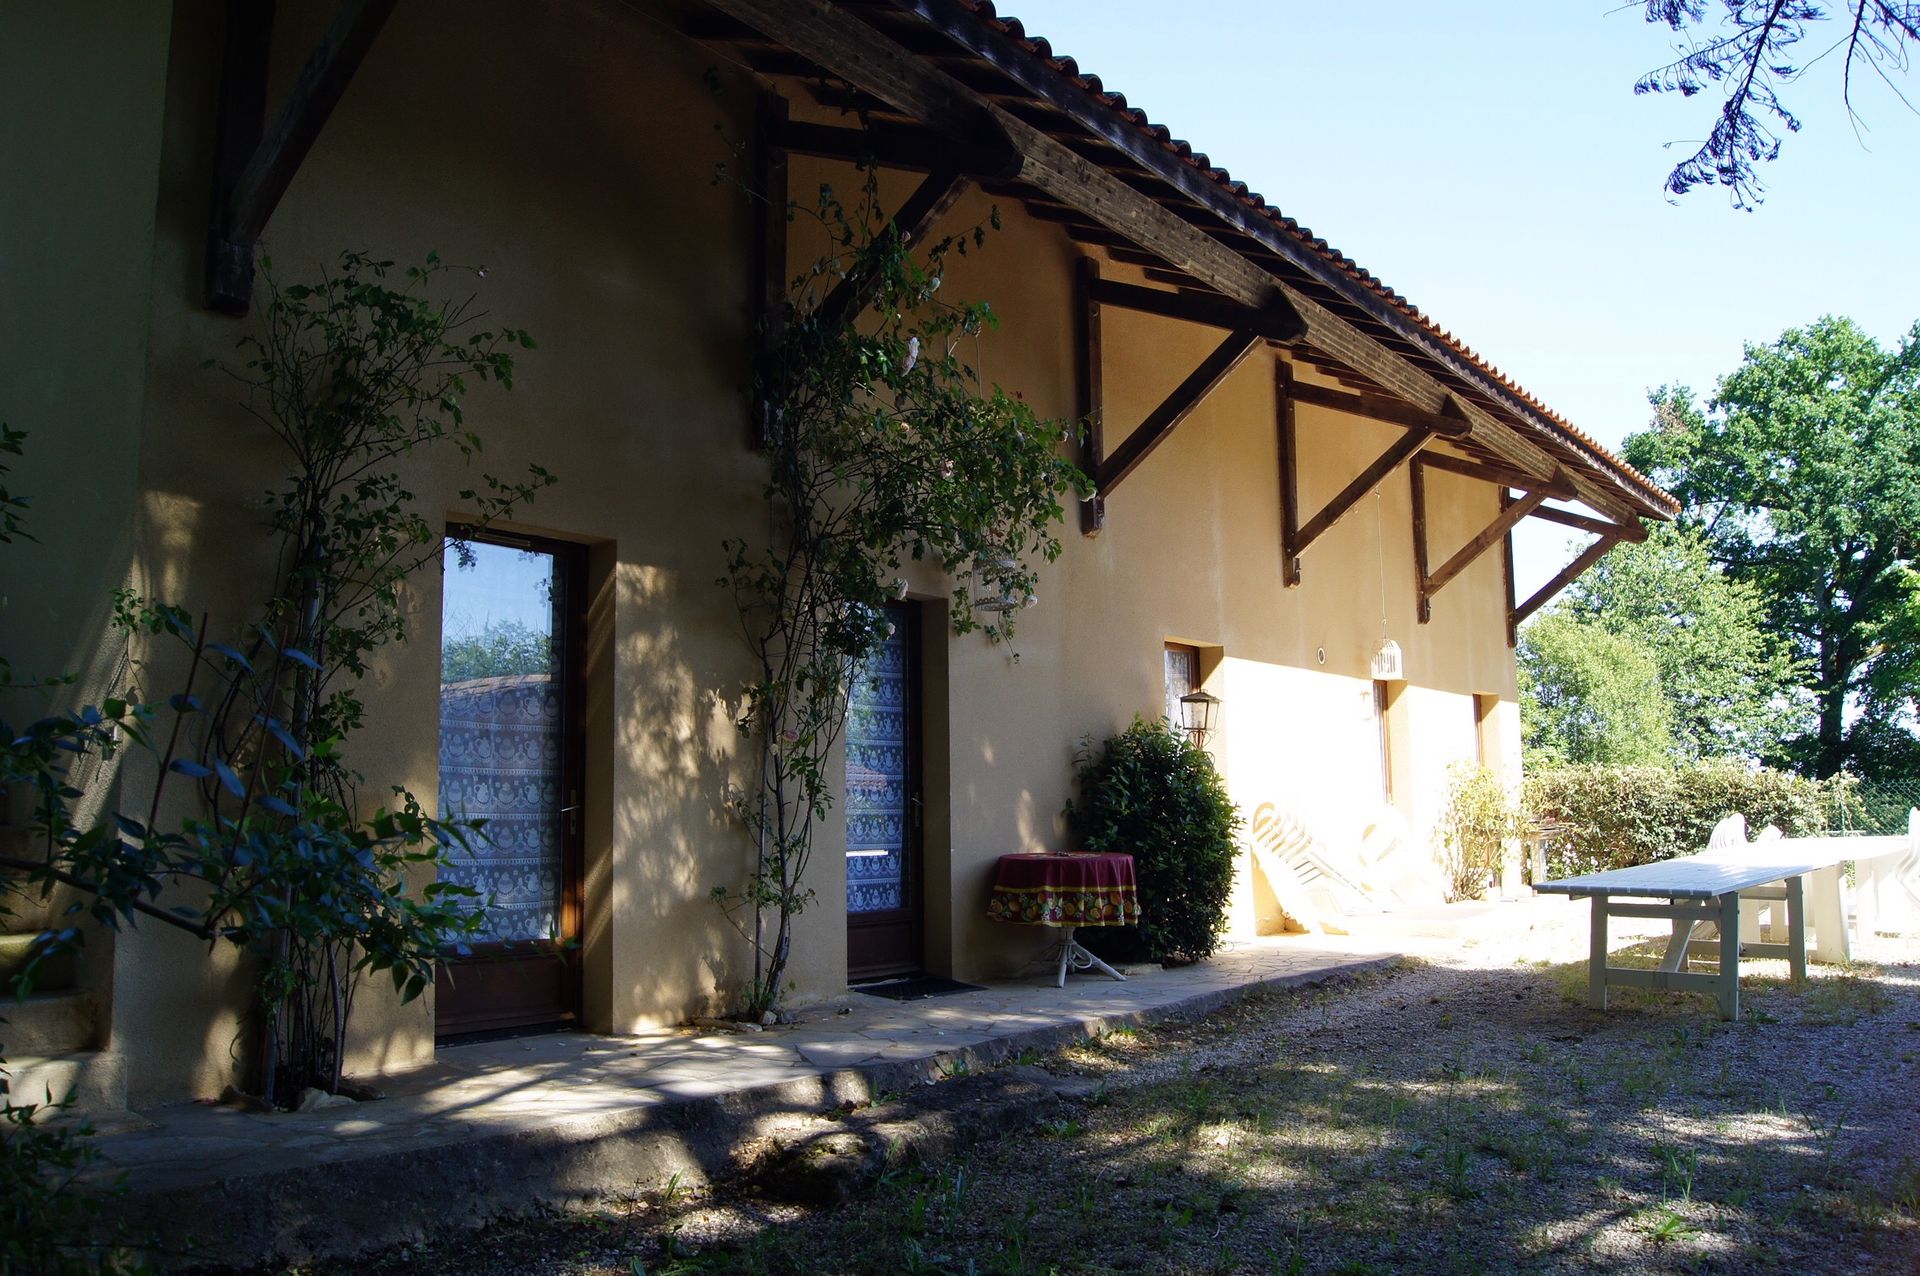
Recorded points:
(675, 753)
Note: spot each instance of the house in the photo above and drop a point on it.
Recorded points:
(1288, 455)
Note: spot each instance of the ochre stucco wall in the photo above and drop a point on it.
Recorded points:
(569, 150)
(83, 84)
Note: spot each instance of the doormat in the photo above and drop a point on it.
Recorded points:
(916, 988)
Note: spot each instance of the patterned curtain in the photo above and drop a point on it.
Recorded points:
(500, 762)
(877, 781)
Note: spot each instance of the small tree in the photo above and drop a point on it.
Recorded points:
(1152, 793)
(880, 447)
(1587, 695)
(1726, 677)
(1480, 818)
(350, 375)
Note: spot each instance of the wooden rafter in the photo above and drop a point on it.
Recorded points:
(1450, 423)
(1428, 583)
(960, 76)
(840, 43)
(255, 161)
(1631, 531)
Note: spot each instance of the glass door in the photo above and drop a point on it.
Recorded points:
(883, 806)
(510, 755)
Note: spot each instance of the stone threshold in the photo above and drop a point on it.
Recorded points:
(572, 1121)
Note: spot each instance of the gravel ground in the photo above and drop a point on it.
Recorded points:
(1463, 1113)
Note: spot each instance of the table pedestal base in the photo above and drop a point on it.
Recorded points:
(1073, 956)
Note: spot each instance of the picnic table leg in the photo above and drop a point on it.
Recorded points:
(1796, 930)
(1730, 955)
(1829, 917)
(1597, 956)
(1675, 957)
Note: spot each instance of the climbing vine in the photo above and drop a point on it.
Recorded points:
(276, 852)
(882, 447)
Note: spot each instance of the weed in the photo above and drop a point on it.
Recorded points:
(1666, 1226)
(954, 1068)
(1457, 1162)
(1677, 1168)
(1063, 1128)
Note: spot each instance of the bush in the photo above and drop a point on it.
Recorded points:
(1616, 817)
(1151, 793)
(1479, 818)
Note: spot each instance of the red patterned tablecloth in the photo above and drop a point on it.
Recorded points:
(1057, 889)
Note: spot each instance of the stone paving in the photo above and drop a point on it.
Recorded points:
(568, 1120)
(471, 1091)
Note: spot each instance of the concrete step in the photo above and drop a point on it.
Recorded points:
(96, 1080)
(47, 1023)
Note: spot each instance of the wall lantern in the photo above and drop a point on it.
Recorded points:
(1199, 714)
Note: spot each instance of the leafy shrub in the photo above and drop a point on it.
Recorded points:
(1479, 818)
(1619, 816)
(1153, 794)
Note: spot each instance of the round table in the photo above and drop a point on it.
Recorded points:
(1066, 890)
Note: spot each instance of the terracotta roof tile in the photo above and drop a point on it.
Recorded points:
(1117, 102)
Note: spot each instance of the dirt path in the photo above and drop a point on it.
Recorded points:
(1464, 1114)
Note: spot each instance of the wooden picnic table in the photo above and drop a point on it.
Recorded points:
(1709, 887)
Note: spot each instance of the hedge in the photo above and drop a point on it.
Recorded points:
(1618, 816)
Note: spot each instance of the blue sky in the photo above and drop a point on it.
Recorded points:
(1491, 163)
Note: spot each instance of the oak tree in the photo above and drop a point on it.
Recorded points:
(1803, 475)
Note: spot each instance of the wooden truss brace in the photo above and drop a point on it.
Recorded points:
(947, 180)
(1511, 512)
(255, 161)
(1610, 533)
(915, 219)
(1246, 329)
(1588, 557)
(1422, 428)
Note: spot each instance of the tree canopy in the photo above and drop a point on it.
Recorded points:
(1587, 695)
(1802, 475)
(1726, 677)
(1754, 47)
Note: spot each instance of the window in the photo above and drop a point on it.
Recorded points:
(1183, 678)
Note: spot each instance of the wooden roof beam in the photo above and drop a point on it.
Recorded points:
(901, 146)
(1174, 409)
(254, 161)
(1296, 538)
(912, 223)
(1450, 423)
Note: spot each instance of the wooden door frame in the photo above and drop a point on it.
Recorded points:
(908, 616)
(570, 572)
